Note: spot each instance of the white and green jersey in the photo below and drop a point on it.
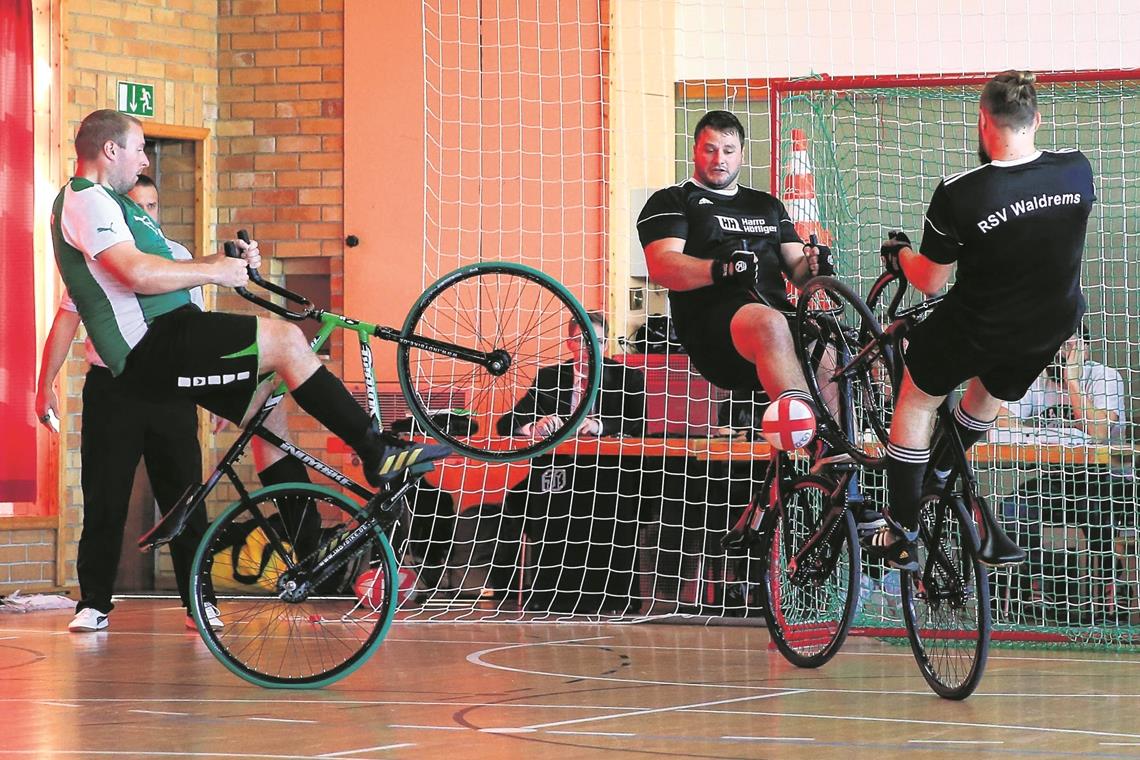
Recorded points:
(86, 220)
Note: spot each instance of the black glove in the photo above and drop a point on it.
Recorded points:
(890, 249)
(740, 268)
(822, 258)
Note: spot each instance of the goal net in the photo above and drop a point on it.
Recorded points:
(548, 124)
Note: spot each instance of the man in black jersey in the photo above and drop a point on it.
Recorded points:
(1015, 226)
(720, 248)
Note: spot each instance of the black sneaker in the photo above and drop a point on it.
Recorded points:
(867, 518)
(393, 455)
(894, 547)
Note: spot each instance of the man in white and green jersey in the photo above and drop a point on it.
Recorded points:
(132, 297)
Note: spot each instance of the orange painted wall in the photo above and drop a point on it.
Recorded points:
(511, 122)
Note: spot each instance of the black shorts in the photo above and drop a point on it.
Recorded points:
(708, 341)
(941, 355)
(209, 357)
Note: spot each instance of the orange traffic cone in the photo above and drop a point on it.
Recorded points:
(799, 199)
(799, 191)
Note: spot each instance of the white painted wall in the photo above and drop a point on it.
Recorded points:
(791, 38)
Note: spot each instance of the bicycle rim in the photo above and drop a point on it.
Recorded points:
(504, 307)
(947, 606)
(315, 640)
(853, 389)
(809, 615)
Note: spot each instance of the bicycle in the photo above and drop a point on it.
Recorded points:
(802, 525)
(945, 605)
(305, 577)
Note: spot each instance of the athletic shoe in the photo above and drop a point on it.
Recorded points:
(894, 547)
(867, 518)
(393, 455)
(88, 620)
(213, 617)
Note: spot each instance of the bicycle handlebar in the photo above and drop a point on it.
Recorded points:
(256, 278)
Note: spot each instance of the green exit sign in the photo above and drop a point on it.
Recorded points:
(136, 99)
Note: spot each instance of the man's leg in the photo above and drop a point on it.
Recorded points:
(174, 462)
(283, 349)
(761, 335)
(908, 452)
(110, 448)
(973, 419)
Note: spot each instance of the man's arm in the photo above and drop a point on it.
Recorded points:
(924, 274)
(671, 268)
(149, 275)
(56, 348)
(798, 264)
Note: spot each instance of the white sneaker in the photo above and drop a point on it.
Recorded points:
(88, 620)
(213, 617)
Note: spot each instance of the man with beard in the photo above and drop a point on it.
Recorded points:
(1015, 226)
(720, 248)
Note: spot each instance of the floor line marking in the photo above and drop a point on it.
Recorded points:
(428, 728)
(594, 733)
(381, 748)
(674, 708)
(769, 738)
(160, 712)
(283, 720)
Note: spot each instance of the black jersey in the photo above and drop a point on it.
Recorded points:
(713, 225)
(1017, 231)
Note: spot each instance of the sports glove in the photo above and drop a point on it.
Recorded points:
(889, 251)
(740, 268)
(822, 258)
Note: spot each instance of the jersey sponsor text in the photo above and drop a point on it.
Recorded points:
(1027, 205)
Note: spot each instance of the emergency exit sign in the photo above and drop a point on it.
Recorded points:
(136, 99)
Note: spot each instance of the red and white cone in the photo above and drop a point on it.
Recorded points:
(799, 198)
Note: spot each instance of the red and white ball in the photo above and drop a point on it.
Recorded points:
(369, 586)
(789, 423)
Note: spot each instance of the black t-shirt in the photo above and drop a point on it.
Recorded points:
(1017, 231)
(713, 225)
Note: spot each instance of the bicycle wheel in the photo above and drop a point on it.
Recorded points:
(947, 605)
(849, 367)
(810, 612)
(519, 315)
(280, 629)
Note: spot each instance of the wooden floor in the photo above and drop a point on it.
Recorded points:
(148, 688)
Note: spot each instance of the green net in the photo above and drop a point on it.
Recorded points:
(876, 154)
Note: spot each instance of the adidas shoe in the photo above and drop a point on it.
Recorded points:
(88, 620)
(393, 455)
(867, 519)
(213, 618)
(896, 548)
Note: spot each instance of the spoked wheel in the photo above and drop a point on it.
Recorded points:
(520, 319)
(849, 367)
(810, 610)
(947, 605)
(281, 625)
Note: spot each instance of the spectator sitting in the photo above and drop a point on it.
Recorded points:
(618, 409)
(1075, 401)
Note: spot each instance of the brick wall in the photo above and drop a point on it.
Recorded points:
(171, 44)
(280, 158)
(265, 76)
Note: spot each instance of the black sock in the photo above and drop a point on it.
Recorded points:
(326, 399)
(302, 521)
(905, 468)
(287, 470)
(970, 430)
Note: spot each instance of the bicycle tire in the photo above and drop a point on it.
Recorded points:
(266, 639)
(492, 306)
(947, 606)
(809, 617)
(833, 326)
